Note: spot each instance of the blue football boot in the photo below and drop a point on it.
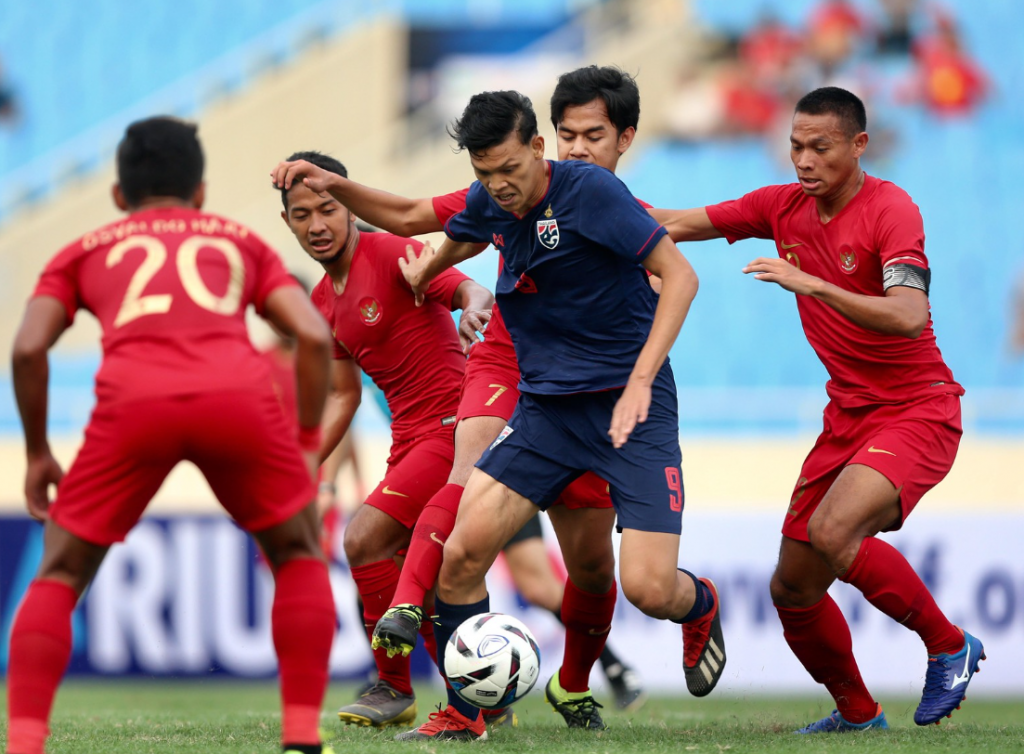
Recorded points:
(945, 683)
(836, 723)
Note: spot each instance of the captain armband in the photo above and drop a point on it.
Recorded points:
(906, 275)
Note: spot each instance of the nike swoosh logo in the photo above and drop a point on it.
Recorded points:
(791, 245)
(873, 449)
(963, 678)
(393, 492)
(433, 536)
(599, 631)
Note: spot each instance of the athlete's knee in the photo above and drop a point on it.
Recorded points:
(364, 543)
(653, 597)
(464, 562)
(831, 540)
(596, 575)
(792, 593)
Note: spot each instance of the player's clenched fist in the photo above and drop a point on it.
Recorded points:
(315, 178)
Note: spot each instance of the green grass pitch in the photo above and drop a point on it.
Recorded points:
(218, 717)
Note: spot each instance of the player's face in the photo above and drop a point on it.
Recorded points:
(824, 155)
(585, 133)
(320, 223)
(512, 172)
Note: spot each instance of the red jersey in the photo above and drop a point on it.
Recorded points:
(880, 226)
(497, 347)
(170, 288)
(411, 353)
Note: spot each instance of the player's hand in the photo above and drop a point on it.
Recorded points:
(777, 270)
(630, 410)
(414, 268)
(471, 324)
(315, 178)
(43, 470)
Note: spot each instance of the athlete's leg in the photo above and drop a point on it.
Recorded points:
(302, 621)
(858, 505)
(650, 578)
(489, 514)
(472, 436)
(532, 575)
(41, 635)
(816, 630)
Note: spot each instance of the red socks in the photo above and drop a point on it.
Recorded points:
(820, 638)
(39, 653)
(889, 583)
(588, 619)
(302, 621)
(376, 584)
(423, 562)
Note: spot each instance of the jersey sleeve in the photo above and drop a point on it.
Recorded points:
(611, 217)
(750, 216)
(270, 273)
(899, 233)
(449, 204)
(466, 225)
(59, 280)
(442, 288)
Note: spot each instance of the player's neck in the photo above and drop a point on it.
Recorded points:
(161, 202)
(338, 269)
(829, 207)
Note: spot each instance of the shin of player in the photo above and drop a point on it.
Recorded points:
(165, 394)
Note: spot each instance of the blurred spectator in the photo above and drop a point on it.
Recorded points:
(946, 79)
(8, 100)
(895, 35)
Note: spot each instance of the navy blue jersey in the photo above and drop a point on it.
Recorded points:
(572, 291)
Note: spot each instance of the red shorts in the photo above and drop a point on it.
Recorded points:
(587, 491)
(243, 444)
(417, 469)
(488, 389)
(912, 444)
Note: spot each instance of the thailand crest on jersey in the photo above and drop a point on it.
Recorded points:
(547, 229)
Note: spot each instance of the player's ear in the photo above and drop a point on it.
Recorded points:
(537, 146)
(119, 201)
(199, 195)
(626, 139)
(860, 143)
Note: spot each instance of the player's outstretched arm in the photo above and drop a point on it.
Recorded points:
(342, 402)
(686, 224)
(475, 301)
(45, 320)
(420, 269)
(678, 288)
(901, 311)
(293, 313)
(394, 214)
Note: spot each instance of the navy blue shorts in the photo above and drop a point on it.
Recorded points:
(552, 439)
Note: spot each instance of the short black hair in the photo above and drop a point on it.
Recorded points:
(616, 88)
(831, 100)
(159, 157)
(321, 160)
(490, 117)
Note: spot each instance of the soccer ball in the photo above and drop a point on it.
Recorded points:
(492, 660)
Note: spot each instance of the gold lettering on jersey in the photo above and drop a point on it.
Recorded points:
(170, 225)
(113, 233)
(208, 225)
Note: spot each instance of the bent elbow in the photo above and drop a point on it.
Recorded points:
(914, 327)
